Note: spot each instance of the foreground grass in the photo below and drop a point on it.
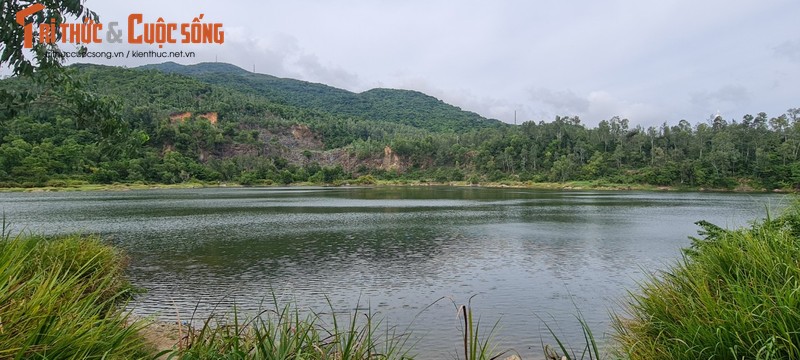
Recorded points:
(59, 300)
(734, 295)
(283, 333)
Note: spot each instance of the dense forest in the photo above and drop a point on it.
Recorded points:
(213, 122)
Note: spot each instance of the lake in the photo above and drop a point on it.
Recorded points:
(524, 255)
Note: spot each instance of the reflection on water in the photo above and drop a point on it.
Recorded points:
(526, 254)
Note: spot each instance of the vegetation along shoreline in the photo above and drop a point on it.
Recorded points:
(572, 185)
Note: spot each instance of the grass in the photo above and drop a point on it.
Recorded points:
(734, 295)
(476, 345)
(59, 300)
(113, 187)
(590, 350)
(283, 333)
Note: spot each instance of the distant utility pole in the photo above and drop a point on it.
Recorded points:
(254, 68)
(515, 117)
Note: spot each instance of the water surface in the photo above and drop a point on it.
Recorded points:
(524, 254)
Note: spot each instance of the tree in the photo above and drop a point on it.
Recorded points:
(17, 14)
(90, 110)
(19, 17)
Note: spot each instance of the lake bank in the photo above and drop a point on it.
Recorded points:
(566, 186)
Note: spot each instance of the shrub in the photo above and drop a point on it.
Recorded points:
(56, 183)
(365, 180)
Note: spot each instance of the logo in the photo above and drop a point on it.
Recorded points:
(138, 31)
(21, 15)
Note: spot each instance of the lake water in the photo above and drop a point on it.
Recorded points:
(525, 255)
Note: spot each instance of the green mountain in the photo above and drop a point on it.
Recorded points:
(170, 123)
(198, 69)
(406, 107)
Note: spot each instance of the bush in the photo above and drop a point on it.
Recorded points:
(732, 296)
(104, 176)
(56, 183)
(365, 180)
(248, 178)
(496, 176)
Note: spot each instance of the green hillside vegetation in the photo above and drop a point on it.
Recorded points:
(387, 105)
(219, 123)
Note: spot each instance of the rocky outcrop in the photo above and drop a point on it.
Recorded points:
(300, 146)
(212, 117)
(390, 160)
(305, 138)
(179, 117)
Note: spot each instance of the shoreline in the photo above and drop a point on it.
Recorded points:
(567, 186)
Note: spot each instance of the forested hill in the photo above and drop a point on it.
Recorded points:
(405, 107)
(219, 123)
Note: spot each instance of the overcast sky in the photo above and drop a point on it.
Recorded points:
(648, 61)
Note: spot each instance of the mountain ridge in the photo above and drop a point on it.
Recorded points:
(407, 107)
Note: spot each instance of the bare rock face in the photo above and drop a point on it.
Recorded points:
(212, 117)
(305, 138)
(179, 117)
(300, 146)
(390, 160)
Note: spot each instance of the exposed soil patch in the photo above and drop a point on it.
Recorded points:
(163, 335)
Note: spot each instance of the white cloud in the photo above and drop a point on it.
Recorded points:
(559, 102)
(789, 50)
(725, 98)
(648, 61)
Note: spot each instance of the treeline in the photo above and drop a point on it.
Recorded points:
(757, 151)
(125, 126)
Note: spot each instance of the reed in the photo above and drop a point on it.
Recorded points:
(281, 332)
(563, 351)
(477, 345)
